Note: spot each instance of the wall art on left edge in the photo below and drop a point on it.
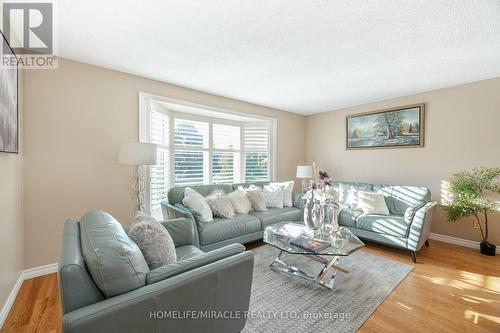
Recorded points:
(9, 116)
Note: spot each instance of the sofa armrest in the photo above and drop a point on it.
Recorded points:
(162, 273)
(170, 211)
(183, 231)
(162, 307)
(420, 227)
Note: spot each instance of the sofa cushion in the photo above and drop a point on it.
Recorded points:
(393, 225)
(399, 198)
(275, 215)
(114, 261)
(222, 229)
(348, 217)
(187, 251)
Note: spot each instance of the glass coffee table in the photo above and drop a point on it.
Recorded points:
(341, 243)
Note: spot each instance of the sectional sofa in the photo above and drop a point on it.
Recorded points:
(409, 231)
(241, 228)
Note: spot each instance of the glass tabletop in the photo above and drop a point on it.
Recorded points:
(341, 242)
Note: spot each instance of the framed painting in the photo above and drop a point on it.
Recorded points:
(401, 127)
(9, 117)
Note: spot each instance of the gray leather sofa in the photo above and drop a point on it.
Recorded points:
(241, 228)
(403, 229)
(166, 298)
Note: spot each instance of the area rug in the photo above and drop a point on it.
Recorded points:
(284, 303)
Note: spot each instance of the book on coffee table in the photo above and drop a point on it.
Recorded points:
(309, 244)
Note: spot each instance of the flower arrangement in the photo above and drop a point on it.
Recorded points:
(321, 201)
(321, 188)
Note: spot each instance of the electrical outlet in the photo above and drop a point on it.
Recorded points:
(475, 225)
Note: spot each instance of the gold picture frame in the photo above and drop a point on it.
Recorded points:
(399, 127)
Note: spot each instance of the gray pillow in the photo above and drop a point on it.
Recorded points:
(114, 261)
(220, 205)
(153, 239)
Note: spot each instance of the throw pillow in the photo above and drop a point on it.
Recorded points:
(344, 195)
(273, 196)
(220, 205)
(198, 205)
(372, 203)
(156, 244)
(287, 192)
(240, 201)
(411, 211)
(256, 197)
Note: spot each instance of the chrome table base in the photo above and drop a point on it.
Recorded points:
(324, 278)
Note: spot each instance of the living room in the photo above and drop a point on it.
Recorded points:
(298, 166)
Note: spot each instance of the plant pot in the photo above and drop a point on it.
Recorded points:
(488, 249)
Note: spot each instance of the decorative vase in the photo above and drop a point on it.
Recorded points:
(488, 249)
(332, 216)
(318, 215)
(312, 214)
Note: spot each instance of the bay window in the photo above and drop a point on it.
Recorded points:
(209, 147)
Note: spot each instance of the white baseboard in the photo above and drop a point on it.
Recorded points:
(38, 271)
(10, 300)
(457, 241)
(24, 275)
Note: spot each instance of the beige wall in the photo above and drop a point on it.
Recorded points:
(75, 119)
(462, 131)
(11, 213)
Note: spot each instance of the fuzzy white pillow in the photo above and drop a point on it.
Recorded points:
(155, 242)
(273, 196)
(256, 197)
(287, 192)
(197, 204)
(372, 203)
(220, 205)
(240, 201)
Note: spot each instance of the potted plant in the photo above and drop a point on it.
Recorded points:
(469, 190)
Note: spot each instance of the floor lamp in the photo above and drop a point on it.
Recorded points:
(140, 155)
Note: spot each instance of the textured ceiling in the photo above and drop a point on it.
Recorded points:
(295, 55)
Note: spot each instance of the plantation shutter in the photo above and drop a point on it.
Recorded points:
(191, 152)
(159, 173)
(256, 148)
(226, 156)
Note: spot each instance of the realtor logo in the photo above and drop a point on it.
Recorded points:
(28, 27)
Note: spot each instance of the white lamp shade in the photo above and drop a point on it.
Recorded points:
(137, 154)
(305, 171)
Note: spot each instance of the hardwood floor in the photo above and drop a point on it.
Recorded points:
(451, 289)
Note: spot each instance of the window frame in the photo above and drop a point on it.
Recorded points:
(146, 102)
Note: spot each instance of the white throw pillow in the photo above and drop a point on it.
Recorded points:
(346, 198)
(197, 204)
(273, 196)
(220, 205)
(155, 242)
(287, 192)
(256, 197)
(240, 201)
(372, 203)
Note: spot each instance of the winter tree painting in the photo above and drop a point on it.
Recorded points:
(399, 127)
(8, 101)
